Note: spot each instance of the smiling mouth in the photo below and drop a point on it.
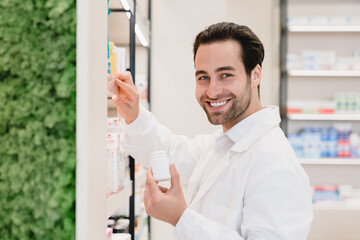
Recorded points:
(218, 104)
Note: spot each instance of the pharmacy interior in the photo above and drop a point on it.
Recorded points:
(311, 70)
(318, 68)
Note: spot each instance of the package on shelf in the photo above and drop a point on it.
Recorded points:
(347, 63)
(311, 106)
(113, 163)
(116, 160)
(323, 21)
(344, 131)
(121, 236)
(110, 223)
(109, 234)
(117, 58)
(342, 103)
(339, 21)
(121, 225)
(118, 224)
(312, 145)
(357, 54)
(347, 102)
(318, 60)
(142, 225)
(355, 145)
(328, 193)
(142, 87)
(322, 60)
(355, 21)
(298, 21)
(120, 59)
(112, 58)
(121, 212)
(349, 193)
(293, 61)
(319, 20)
(335, 193)
(337, 141)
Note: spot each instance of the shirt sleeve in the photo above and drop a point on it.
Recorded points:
(145, 135)
(276, 209)
(193, 225)
(277, 205)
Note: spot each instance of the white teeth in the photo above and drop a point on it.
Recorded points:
(218, 104)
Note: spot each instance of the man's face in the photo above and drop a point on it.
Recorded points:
(222, 87)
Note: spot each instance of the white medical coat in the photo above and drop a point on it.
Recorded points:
(258, 191)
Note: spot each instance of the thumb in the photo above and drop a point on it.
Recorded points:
(175, 177)
(116, 100)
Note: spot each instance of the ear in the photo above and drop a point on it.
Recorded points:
(256, 76)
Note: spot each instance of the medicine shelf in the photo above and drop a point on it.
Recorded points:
(140, 178)
(118, 21)
(339, 219)
(110, 104)
(121, 5)
(319, 29)
(337, 206)
(115, 201)
(324, 73)
(320, 117)
(330, 161)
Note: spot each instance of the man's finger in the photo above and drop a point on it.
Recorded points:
(154, 190)
(117, 100)
(175, 177)
(124, 85)
(130, 91)
(163, 189)
(126, 77)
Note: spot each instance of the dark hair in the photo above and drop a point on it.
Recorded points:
(252, 49)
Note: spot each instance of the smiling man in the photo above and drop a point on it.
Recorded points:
(242, 182)
(223, 87)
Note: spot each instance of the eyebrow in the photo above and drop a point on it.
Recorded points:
(225, 68)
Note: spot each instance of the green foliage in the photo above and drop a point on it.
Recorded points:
(37, 119)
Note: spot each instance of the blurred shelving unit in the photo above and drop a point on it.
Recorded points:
(323, 73)
(324, 117)
(128, 28)
(116, 200)
(303, 29)
(321, 29)
(140, 177)
(341, 215)
(330, 161)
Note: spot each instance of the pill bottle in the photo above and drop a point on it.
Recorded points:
(121, 236)
(160, 166)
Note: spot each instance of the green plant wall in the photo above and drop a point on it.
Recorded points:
(37, 119)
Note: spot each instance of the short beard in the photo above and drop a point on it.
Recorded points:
(234, 114)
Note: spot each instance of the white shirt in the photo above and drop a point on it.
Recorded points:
(226, 140)
(252, 189)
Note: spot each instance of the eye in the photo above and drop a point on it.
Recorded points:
(226, 75)
(203, 77)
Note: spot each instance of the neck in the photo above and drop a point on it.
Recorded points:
(254, 106)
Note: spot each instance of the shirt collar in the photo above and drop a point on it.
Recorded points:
(239, 130)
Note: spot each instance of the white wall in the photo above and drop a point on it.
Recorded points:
(175, 25)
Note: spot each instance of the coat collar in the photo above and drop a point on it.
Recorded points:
(244, 139)
(266, 121)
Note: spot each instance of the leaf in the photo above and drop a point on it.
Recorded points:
(37, 119)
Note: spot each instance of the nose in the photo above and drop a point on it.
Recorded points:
(214, 89)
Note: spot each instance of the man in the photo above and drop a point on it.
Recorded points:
(244, 181)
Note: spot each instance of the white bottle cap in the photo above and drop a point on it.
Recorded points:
(160, 166)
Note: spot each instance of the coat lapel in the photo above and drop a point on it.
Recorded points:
(211, 177)
(261, 127)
